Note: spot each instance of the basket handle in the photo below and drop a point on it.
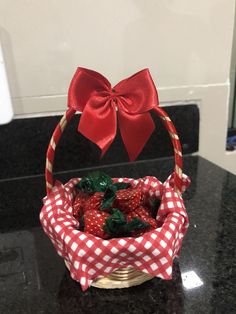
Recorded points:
(71, 112)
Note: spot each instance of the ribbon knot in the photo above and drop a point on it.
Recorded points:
(101, 105)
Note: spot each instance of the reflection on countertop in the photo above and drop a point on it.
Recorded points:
(33, 278)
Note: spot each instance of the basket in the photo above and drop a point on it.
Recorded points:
(124, 262)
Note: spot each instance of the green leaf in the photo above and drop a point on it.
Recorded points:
(117, 226)
(108, 198)
(96, 181)
(110, 194)
(114, 223)
(85, 185)
(136, 224)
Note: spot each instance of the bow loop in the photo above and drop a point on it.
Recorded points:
(139, 91)
(84, 84)
(100, 104)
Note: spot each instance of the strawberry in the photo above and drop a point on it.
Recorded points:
(77, 207)
(93, 202)
(128, 199)
(94, 222)
(143, 214)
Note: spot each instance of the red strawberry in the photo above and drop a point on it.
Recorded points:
(77, 207)
(143, 214)
(94, 222)
(93, 202)
(128, 199)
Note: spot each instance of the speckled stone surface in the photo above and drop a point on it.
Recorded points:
(33, 279)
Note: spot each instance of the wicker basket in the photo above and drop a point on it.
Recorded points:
(123, 277)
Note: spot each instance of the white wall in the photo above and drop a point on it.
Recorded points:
(185, 43)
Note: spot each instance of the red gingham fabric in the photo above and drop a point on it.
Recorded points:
(89, 257)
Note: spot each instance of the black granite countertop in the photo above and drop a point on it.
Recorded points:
(33, 279)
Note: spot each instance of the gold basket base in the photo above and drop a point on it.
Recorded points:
(121, 278)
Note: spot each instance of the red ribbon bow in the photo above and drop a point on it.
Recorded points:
(131, 100)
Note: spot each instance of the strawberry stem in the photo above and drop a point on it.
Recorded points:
(136, 224)
(97, 181)
(108, 198)
(117, 226)
(110, 194)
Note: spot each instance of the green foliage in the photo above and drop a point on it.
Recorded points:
(96, 181)
(108, 198)
(117, 226)
(99, 181)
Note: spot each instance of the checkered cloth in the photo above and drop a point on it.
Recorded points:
(89, 257)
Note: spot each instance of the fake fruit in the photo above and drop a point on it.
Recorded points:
(128, 199)
(143, 214)
(109, 210)
(94, 222)
(93, 201)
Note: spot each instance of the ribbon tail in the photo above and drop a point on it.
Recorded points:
(98, 122)
(135, 131)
